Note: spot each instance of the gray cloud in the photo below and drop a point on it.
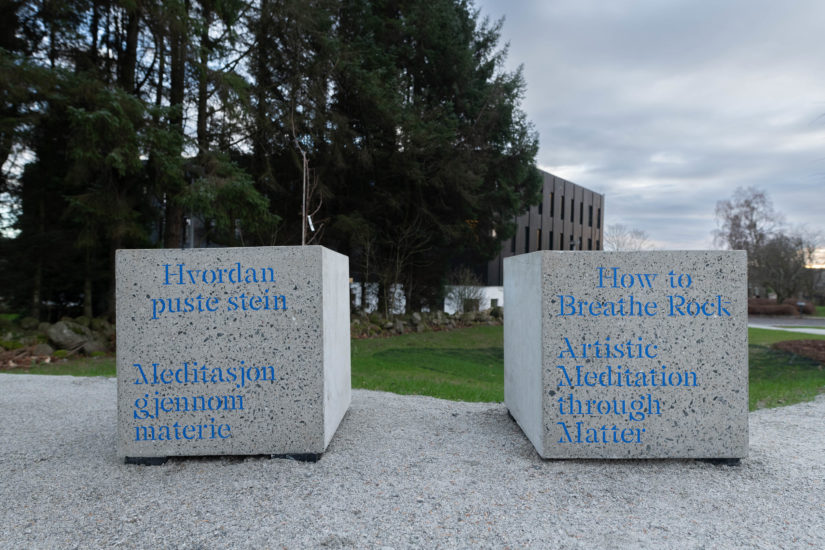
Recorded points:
(668, 107)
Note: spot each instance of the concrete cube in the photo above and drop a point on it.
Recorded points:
(231, 351)
(628, 354)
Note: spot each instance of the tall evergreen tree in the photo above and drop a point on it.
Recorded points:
(430, 144)
(392, 124)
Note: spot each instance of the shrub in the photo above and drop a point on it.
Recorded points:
(772, 309)
(808, 308)
(10, 344)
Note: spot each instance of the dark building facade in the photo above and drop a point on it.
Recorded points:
(569, 217)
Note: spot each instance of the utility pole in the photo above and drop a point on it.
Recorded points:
(304, 195)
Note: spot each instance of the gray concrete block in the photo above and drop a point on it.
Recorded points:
(628, 354)
(232, 351)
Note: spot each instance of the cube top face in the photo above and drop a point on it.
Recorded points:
(641, 354)
(221, 351)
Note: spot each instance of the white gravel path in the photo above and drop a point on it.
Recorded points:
(402, 472)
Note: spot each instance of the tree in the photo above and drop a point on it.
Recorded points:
(618, 237)
(466, 292)
(781, 263)
(128, 117)
(777, 256)
(427, 133)
(746, 222)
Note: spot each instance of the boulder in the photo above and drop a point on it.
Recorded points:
(65, 336)
(43, 350)
(82, 320)
(102, 326)
(28, 323)
(94, 346)
(416, 318)
(399, 326)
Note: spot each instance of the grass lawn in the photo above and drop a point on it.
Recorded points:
(86, 366)
(467, 365)
(766, 337)
(778, 377)
(820, 311)
(462, 365)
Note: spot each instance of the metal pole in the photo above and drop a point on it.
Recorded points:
(304, 203)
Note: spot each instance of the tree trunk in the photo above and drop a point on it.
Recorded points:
(37, 277)
(173, 228)
(87, 292)
(128, 63)
(203, 138)
(259, 169)
(37, 289)
(173, 234)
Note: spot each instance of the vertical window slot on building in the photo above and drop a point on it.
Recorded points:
(538, 239)
(599, 219)
(580, 244)
(590, 216)
(562, 210)
(550, 241)
(527, 239)
(561, 241)
(552, 204)
(581, 212)
(573, 210)
(589, 244)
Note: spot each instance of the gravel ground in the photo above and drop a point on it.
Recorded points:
(402, 472)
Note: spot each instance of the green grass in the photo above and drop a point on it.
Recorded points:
(780, 378)
(467, 365)
(766, 337)
(87, 366)
(462, 365)
(777, 377)
(820, 311)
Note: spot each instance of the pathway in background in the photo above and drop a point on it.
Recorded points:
(784, 323)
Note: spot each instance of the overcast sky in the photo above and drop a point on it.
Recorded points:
(668, 106)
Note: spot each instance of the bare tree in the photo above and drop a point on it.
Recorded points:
(618, 237)
(405, 248)
(778, 257)
(781, 263)
(747, 221)
(466, 291)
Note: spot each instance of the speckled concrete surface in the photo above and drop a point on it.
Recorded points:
(232, 350)
(628, 354)
(401, 472)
